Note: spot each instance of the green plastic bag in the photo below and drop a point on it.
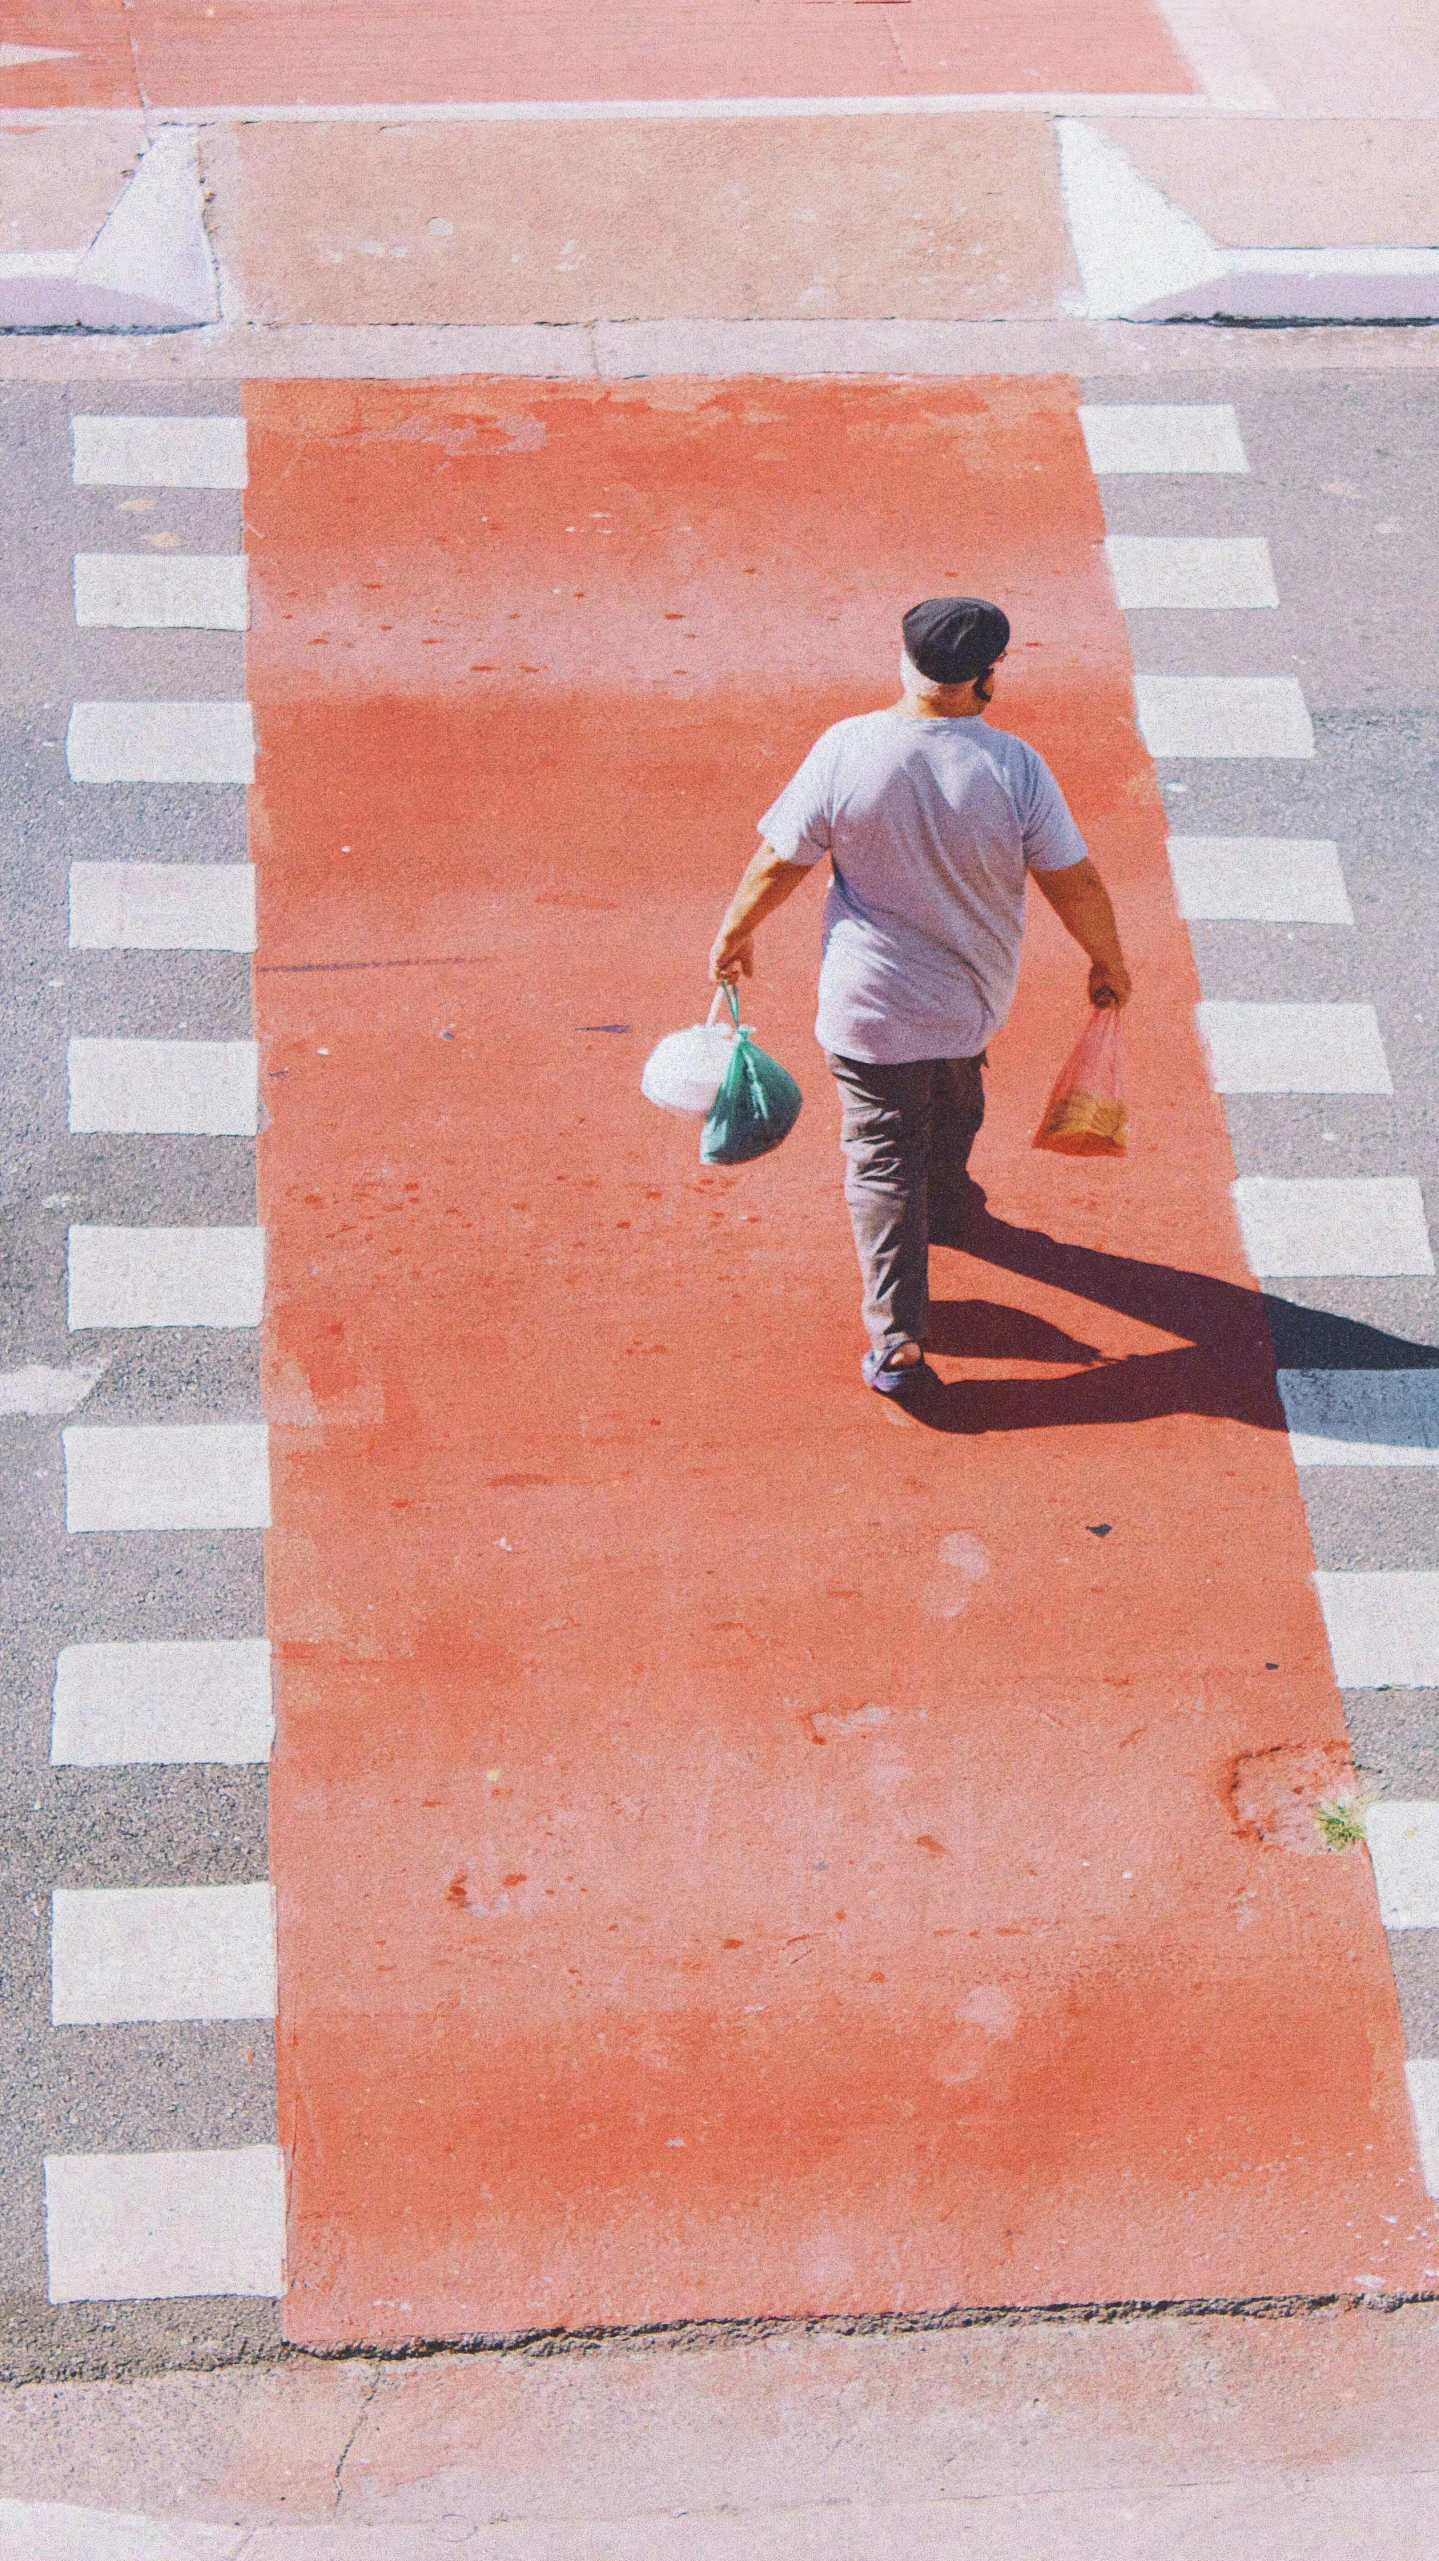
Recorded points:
(756, 1106)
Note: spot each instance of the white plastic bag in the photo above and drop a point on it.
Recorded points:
(684, 1071)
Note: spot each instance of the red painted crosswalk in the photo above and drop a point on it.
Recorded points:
(189, 53)
(738, 1850)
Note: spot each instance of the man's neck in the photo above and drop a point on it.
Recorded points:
(925, 707)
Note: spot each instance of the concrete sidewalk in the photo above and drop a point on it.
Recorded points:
(1207, 2438)
(1256, 166)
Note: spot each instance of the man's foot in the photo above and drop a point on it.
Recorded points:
(898, 1374)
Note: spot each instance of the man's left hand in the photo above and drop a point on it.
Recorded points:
(1109, 983)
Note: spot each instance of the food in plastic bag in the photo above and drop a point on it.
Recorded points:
(684, 1071)
(1087, 1114)
(756, 1106)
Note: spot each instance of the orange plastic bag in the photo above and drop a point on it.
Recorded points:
(1087, 1114)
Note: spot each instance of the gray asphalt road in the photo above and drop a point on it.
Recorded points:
(1343, 487)
(1344, 484)
(121, 2088)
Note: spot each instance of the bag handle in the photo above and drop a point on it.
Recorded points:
(725, 992)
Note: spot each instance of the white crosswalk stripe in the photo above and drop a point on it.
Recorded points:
(166, 1276)
(160, 453)
(143, 2226)
(1422, 2074)
(1207, 573)
(1294, 1049)
(1383, 1629)
(149, 1476)
(140, 591)
(1125, 437)
(1228, 716)
(1267, 880)
(155, 1703)
(161, 742)
(162, 907)
(194, 1088)
(1368, 1226)
(125, 1954)
(1362, 1417)
(1404, 1846)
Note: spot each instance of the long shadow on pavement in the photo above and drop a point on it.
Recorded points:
(1235, 1340)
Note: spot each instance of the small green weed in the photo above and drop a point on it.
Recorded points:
(1341, 1821)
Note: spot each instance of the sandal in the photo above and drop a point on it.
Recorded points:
(888, 1381)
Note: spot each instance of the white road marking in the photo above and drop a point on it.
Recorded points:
(138, 591)
(166, 1276)
(53, 2530)
(126, 2227)
(1422, 2075)
(38, 262)
(57, 2530)
(938, 102)
(162, 907)
(130, 1953)
(1383, 1629)
(161, 742)
(1294, 1049)
(1368, 1226)
(1131, 245)
(190, 1088)
(41, 1390)
(1362, 1417)
(160, 453)
(131, 2227)
(1157, 437)
(1204, 573)
(1223, 716)
(1141, 258)
(167, 1476)
(151, 264)
(1268, 880)
(1404, 1846)
(719, 349)
(122, 1704)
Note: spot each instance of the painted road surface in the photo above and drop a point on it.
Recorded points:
(185, 53)
(739, 1849)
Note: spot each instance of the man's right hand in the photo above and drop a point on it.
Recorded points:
(766, 885)
(731, 959)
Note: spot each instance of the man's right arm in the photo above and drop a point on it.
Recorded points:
(767, 883)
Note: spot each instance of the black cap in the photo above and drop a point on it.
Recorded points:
(953, 639)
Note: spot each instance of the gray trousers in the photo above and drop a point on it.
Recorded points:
(906, 1134)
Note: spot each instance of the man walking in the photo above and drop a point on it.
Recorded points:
(931, 821)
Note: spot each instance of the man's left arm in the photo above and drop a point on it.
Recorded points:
(1081, 902)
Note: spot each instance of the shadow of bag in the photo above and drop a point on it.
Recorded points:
(757, 1104)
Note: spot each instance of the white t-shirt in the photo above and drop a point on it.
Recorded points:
(930, 826)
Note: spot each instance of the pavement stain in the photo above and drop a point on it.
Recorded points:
(1302, 1797)
(964, 1560)
(825, 1725)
